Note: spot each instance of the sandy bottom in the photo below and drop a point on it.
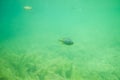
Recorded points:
(45, 58)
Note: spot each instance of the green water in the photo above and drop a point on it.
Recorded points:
(29, 40)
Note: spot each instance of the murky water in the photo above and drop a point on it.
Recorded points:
(30, 34)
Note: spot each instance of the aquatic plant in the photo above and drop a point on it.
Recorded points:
(48, 65)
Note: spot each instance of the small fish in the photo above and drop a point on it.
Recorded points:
(66, 41)
(27, 7)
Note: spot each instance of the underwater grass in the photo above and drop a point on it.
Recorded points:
(33, 67)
